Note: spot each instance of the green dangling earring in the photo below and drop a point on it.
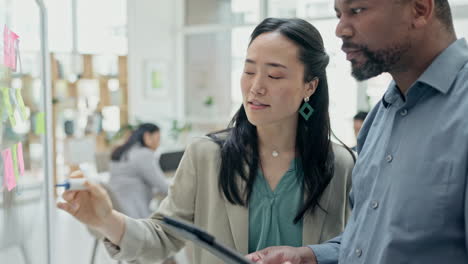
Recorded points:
(306, 110)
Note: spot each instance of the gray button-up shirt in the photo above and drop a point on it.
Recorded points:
(410, 189)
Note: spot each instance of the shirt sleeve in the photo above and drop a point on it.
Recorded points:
(466, 212)
(147, 165)
(328, 252)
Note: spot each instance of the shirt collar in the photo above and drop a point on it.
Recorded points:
(444, 69)
(439, 75)
(392, 94)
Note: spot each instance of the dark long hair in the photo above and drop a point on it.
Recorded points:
(240, 146)
(137, 136)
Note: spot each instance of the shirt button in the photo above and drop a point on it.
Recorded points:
(375, 204)
(358, 252)
(404, 112)
(389, 158)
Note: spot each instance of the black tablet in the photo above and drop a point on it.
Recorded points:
(203, 239)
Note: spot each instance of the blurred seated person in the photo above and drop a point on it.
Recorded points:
(136, 176)
(358, 120)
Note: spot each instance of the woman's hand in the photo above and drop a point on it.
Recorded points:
(93, 207)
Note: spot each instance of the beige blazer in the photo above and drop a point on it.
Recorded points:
(195, 197)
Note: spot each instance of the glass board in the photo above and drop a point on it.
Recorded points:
(24, 195)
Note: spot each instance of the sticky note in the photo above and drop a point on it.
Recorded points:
(8, 170)
(14, 156)
(7, 105)
(20, 101)
(2, 178)
(40, 123)
(20, 158)
(10, 39)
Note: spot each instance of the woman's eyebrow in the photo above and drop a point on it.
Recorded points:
(272, 64)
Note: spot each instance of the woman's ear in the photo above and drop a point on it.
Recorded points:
(311, 87)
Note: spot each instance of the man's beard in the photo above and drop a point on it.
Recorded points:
(377, 62)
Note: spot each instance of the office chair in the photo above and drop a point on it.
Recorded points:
(169, 161)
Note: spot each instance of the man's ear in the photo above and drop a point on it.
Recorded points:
(422, 12)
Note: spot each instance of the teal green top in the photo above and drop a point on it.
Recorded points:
(271, 213)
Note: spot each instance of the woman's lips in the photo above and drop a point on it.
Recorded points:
(257, 105)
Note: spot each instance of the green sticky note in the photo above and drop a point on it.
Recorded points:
(40, 123)
(7, 105)
(20, 101)
(14, 155)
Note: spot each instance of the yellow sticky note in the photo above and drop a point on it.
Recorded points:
(7, 105)
(20, 101)
(40, 123)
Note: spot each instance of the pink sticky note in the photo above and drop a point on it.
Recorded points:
(14, 49)
(10, 181)
(20, 158)
(10, 39)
